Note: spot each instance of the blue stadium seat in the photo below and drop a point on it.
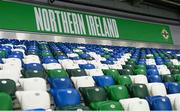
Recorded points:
(65, 97)
(152, 72)
(33, 66)
(154, 78)
(86, 66)
(60, 83)
(172, 87)
(103, 80)
(159, 103)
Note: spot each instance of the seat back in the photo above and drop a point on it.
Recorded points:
(93, 94)
(103, 80)
(117, 92)
(65, 97)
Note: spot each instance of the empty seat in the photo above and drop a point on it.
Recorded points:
(126, 72)
(154, 78)
(175, 71)
(172, 87)
(11, 66)
(68, 64)
(33, 99)
(152, 72)
(139, 79)
(52, 66)
(31, 60)
(83, 81)
(117, 92)
(5, 102)
(115, 66)
(60, 83)
(164, 71)
(124, 80)
(106, 105)
(111, 72)
(9, 74)
(3, 53)
(157, 89)
(80, 61)
(75, 108)
(57, 73)
(33, 84)
(101, 66)
(174, 98)
(103, 80)
(140, 71)
(16, 61)
(94, 72)
(33, 66)
(159, 103)
(33, 73)
(138, 90)
(93, 94)
(135, 104)
(8, 86)
(168, 78)
(76, 72)
(177, 77)
(86, 66)
(128, 66)
(65, 97)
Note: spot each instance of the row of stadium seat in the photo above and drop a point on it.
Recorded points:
(68, 76)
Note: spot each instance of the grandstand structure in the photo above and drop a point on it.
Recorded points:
(116, 55)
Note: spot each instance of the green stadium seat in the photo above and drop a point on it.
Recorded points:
(140, 71)
(57, 73)
(106, 105)
(138, 90)
(124, 80)
(5, 102)
(126, 72)
(129, 66)
(8, 86)
(93, 94)
(32, 53)
(175, 71)
(117, 92)
(168, 78)
(3, 53)
(140, 67)
(76, 72)
(131, 62)
(33, 73)
(177, 77)
(111, 72)
(75, 108)
(168, 64)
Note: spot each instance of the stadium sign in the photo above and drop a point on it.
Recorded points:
(49, 20)
(74, 23)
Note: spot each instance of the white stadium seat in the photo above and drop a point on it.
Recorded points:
(140, 79)
(10, 74)
(33, 84)
(51, 66)
(94, 72)
(175, 103)
(157, 89)
(33, 99)
(135, 104)
(83, 81)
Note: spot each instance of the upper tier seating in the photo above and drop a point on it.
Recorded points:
(87, 77)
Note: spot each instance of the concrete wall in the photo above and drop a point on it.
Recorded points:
(175, 31)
